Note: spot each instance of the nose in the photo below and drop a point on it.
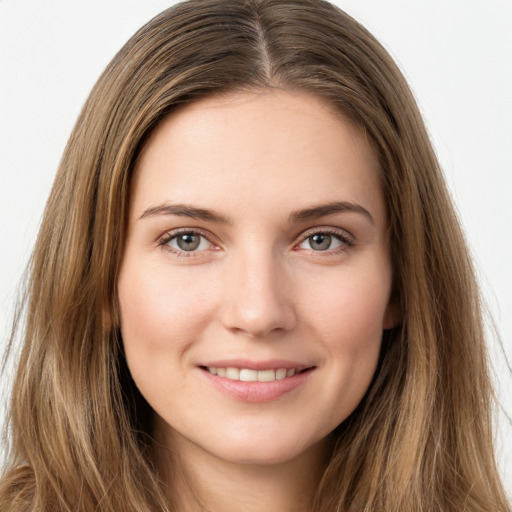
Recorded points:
(258, 297)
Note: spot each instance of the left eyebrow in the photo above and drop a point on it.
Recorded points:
(185, 210)
(323, 210)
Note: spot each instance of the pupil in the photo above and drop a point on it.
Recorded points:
(188, 242)
(320, 242)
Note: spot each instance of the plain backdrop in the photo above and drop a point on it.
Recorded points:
(456, 54)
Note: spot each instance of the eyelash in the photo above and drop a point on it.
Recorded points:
(346, 240)
(170, 235)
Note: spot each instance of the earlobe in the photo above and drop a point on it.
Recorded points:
(392, 316)
(110, 313)
(106, 318)
(109, 318)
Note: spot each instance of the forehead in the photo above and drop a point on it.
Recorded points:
(256, 148)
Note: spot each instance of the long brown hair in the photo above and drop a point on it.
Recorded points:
(421, 439)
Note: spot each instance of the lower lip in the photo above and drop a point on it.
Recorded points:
(256, 391)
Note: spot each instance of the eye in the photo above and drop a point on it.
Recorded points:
(186, 241)
(325, 241)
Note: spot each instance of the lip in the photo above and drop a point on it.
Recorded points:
(257, 365)
(256, 392)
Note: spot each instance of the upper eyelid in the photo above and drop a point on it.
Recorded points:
(171, 233)
(326, 229)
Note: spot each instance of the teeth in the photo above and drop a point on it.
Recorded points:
(267, 375)
(247, 375)
(233, 373)
(281, 373)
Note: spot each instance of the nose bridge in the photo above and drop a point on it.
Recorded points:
(257, 299)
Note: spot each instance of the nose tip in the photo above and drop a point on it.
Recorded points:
(259, 320)
(258, 302)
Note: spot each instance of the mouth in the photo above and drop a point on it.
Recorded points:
(251, 375)
(251, 381)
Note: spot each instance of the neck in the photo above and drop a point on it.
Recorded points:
(201, 482)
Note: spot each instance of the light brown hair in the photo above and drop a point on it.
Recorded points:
(421, 439)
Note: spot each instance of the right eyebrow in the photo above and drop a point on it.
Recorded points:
(323, 210)
(185, 210)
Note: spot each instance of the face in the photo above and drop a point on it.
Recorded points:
(256, 277)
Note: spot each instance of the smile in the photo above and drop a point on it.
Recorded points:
(261, 383)
(249, 375)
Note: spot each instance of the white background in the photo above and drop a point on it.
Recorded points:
(456, 54)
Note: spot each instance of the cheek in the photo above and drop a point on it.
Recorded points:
(351, 320)
(350, 308)
(162, 316)
(347, 320)
(160, 313)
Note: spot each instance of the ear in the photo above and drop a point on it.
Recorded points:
(109, 316)
(393, 314)
(106, 317)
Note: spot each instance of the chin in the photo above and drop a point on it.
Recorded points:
(264, 448)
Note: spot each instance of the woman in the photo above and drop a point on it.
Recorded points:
(250, 290)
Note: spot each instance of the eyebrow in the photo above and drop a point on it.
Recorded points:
(184, 210)
(314, 212)
(323, 210)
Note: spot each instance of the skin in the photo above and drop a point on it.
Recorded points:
(257, 288)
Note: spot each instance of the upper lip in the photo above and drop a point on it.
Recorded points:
(257, 365)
